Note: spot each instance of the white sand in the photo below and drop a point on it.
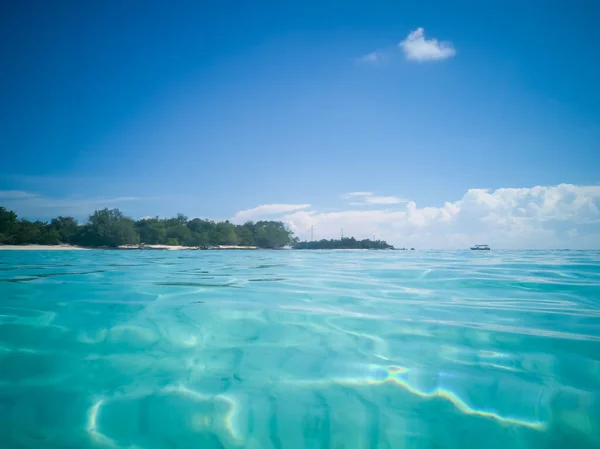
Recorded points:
(42, 247)
(170, 248)
(175, 248)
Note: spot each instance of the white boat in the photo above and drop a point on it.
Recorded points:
(480, 248)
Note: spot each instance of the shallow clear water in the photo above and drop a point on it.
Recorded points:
(299, 349)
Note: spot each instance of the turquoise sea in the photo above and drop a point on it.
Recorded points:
(299, 349)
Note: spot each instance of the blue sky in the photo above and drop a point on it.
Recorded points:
(210, 110)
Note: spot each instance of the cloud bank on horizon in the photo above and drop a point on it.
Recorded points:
(562, 216)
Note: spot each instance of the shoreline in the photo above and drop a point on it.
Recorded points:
(65, 247)
(182, 248)
(36, 247)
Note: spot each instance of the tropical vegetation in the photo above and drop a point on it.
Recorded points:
(344, 243)
(110, 228)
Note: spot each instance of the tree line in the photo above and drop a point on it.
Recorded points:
(110, 228)
(343, 243)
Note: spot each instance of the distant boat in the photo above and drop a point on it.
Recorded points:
(480, 248)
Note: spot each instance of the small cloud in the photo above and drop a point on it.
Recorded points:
(417, 48)
(362, 198)
(374, 58)
(356, 194)
(15, 195)
(384, 200)
(267, 209)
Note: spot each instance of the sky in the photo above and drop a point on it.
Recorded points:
(429, 124)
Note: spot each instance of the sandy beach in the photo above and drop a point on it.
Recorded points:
(179, 248)
(42, 247)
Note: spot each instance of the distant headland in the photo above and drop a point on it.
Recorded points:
(343, 243)
(111, 229)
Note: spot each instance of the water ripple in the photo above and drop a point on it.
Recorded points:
(289, 349)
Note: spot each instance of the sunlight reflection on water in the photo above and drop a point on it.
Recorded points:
(299, 349)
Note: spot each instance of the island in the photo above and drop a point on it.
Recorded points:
(111, 229)
(343, 243)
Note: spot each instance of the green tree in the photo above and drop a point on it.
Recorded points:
(109, 227)
(152, 231)
(245, 234)
(226, 234)
(66, 227)
(272, 234)
(181, 233)
(8, 226)
(49, 236)
(28, 232)
(201, 231)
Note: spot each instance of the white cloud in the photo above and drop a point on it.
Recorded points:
(384, 200)
(374, 58)
(364, 198)
(267, 210)
(15, 194)
(560, 216)
(537, 217)
(356, 194)
(417, 48)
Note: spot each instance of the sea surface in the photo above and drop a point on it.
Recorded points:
(299, 349)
